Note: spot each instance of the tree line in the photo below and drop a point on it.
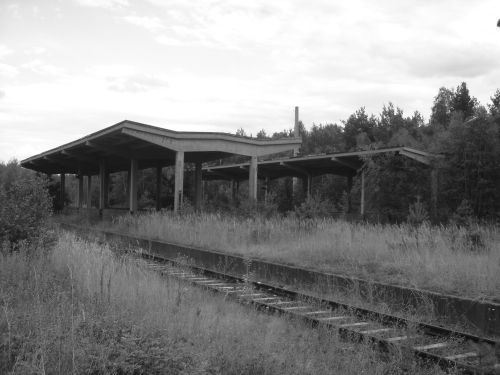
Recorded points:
(463, 131)
(460, 129)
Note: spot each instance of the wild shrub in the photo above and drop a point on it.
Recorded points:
(25, 205)
(315, 208)
(463, 217)
(417, 214)
(250, 209)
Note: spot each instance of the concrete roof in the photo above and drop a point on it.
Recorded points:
(341, 163)
(151, 146)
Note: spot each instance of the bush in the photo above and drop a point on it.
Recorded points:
(315, 208)
(25, 205)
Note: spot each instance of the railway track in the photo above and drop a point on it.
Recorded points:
(467, 353)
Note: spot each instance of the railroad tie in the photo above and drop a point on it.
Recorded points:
(372, 331)
(431, 346)
(295, 308)
(461, 356)
(357, 324)
(206, 281)
(282, 303)
(331, 318)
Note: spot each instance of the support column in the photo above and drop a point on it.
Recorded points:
(89, 191)
(179, 180)
(434, 193)
(362, 205)
(306, 185)
(252, 179)
(80, 190)
(296, 134)
(127, 189)
(197, 186)
(106, 187)
(102, 186)
(158, 187)
(266, 189)
(62, 190)
(134, 172)
(349, 189)
(233, 190)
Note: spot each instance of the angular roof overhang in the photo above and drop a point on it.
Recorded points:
(151, 146)
(341, 163)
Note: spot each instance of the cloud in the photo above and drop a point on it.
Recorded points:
(169, 41)
(5, 51)
(35, 51)
(107, 4)
(149, 23)
(39, 67)
(8, 71)
(461, 62)
(13, 9)
(2, 94)
(135, 83)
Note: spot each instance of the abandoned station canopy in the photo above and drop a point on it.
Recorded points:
(150, 146)
(130, 146)
(340, 163)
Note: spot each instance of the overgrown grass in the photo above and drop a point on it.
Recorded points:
(448, 259)
(82, 309)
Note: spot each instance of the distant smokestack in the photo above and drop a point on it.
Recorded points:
(296, 127)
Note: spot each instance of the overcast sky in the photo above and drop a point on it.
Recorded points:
(72, 67)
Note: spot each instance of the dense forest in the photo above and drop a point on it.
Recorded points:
(464, 132)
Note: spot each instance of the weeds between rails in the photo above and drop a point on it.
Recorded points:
(82, 309)
(437, 258)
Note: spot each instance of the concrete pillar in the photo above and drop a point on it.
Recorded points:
(349, 189)
(198, 194)
(134, 177)
(62, 190)
(362, 205)
(233, 190)
(179, 180)
(80, 190)
(434, 193)
(106, 187)
(306, 185)
(127, 189)
(89, 191)
(252, 179)
(158, 188)
(102, 187)
(266, 189)
(204, 184)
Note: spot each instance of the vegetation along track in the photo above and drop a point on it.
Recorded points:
(449, 348)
